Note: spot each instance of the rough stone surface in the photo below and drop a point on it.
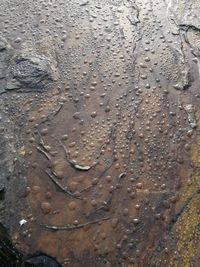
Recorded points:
(31, 72)
(29, 69)
(104, 103)
(3, 44)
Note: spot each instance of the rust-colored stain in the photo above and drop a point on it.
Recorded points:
(101, 104)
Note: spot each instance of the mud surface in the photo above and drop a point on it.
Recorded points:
(100, 141)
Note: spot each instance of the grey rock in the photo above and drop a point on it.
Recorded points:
(43, 260)
(2, 86)
(3, 43)
(31, 72)
(7, 153)
(185, 81)
(33, 67)
(191, 115)
(84, 3)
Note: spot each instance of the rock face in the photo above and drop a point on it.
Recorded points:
(42, 260)
(10, 257)
(4, 59)
(3, 43)
(31, 72)
(6, 160)
(26, 69)
(102, 101)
